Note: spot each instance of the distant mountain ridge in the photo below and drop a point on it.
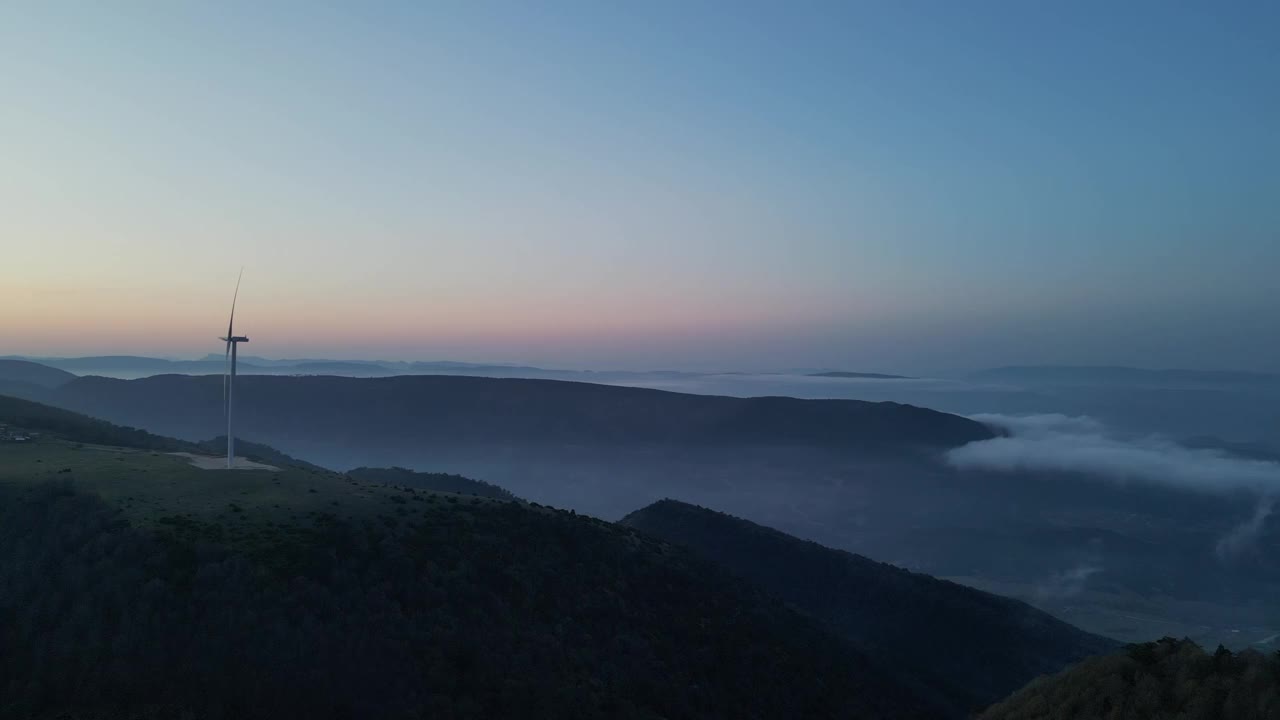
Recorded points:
(310, 416)
(130, 366)
(133, 366)
(25, 371)
(964, 647)
(859, 375)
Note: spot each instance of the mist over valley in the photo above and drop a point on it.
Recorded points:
(1126, 534)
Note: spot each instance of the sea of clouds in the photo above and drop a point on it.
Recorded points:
(1082, 444)
(1064, 443)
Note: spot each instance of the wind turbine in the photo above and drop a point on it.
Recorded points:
(229, 374)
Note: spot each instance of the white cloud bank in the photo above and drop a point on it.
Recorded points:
(1064, 585)
(1244, 536)
(1082, 444)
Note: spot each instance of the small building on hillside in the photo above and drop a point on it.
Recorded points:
(12, 434)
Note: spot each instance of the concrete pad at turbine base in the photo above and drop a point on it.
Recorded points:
(219, 462)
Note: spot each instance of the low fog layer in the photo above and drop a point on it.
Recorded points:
(1245, 536)
(1060, 443)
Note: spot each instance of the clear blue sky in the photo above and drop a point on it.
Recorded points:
(872, 185)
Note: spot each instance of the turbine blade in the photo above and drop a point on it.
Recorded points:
(233, 304)
(226, 364)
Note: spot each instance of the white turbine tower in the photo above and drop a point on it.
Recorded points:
(229, 374)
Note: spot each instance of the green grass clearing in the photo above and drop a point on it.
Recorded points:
(149, 486)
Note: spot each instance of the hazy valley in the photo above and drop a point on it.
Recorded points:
(1123, 555)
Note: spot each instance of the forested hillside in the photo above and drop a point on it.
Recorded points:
(1166, 679)
(81, 428)
(966, 647)
(135, 585)
(440, 482)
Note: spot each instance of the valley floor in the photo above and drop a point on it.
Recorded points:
(1133, 619)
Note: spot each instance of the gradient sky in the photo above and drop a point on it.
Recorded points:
(867, 185)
